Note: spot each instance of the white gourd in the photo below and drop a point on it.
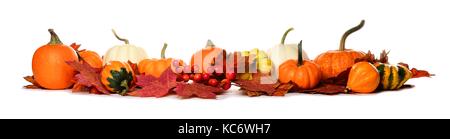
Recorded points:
(283, 52)
(124, 53)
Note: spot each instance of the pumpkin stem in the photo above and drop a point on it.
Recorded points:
(163, 51)
(300, 54)
(124, 83)
(285, 35)
(54, 39)
(119, 38)
(210, 44)
(347, 33)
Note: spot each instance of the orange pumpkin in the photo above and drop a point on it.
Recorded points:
(49, 64)
(156, 67)
(208, 57)
(92, 58)
(333, 62)
(363, 78)
(304, 73)
(117, 77)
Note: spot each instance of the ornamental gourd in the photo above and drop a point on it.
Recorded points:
(392, 76)
(156, 67)
(283, 52)
(333, 62)
(363, 78)
(209, 56)
(49, 66)
(124, 53)
(304, 73)
(117, 77)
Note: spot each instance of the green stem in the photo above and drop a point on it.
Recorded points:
(285, 35)
(163, 51)
(347, 33)
(119, 38)
(300, 54)
(124, 83)
(54, 39)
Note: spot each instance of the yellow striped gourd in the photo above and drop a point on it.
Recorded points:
(392, 76)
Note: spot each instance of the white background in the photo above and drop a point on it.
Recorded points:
(416, 32)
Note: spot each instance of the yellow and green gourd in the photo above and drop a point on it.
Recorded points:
(392, 76)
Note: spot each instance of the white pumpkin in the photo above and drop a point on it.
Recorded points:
(124, 53)
(283, 52)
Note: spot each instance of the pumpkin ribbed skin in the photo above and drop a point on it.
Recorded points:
(393, 76)
(332, 63)
(49, 64)
(363, 78)
(154, 67)
(92, 58)
(117, 77)
(306, 76)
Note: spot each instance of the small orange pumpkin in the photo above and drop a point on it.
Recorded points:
(206, 57)
(156, 67)
(333, 62)
(49, 64)
(117, 77)
(304, 73)
(363, 78)
(92, 58)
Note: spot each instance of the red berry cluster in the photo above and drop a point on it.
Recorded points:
(211, 77)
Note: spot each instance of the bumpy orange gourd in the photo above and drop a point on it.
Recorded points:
(363, 78)
(92, 58)
(304, 73)
(206, 57)
(156, 67)
(333, 62)
(49, 64)
(117, 77)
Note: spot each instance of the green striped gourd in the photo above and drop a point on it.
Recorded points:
(392, 76)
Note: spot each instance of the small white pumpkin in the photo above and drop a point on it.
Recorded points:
(125, 52)
(283, 52)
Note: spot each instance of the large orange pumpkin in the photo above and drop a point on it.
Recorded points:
(117, 77)
(49, 64)
(336, 61)
(304, 73)
(156, 67)
(363, 78)
(208, 57)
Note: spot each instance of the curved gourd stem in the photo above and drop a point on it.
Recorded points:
(285, 35)
(347, 33)
(163, 51)
(119, 38)
(54, 39)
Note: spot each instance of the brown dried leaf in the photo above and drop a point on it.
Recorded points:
(34, 84)
(186, 90)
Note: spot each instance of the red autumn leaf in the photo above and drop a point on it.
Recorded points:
(417, 73)
(155, 87)
(75, 46)
(254, 85)
(34, 84)
(87, 76)
(187, 90)
(341, 79)
(327, 89)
